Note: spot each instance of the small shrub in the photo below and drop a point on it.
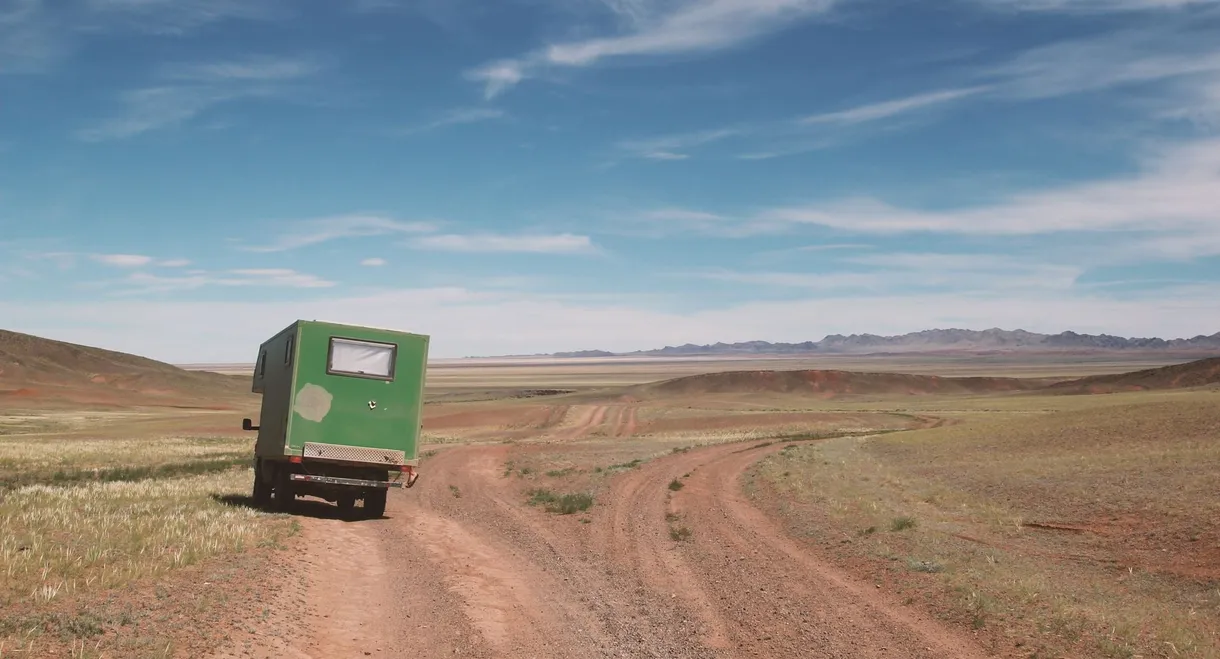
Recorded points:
(676, 485)
(566, 504)
(541, 496)
(680, 533)
(930, 567)
(626, 465)
(902, 523)
(457, 493)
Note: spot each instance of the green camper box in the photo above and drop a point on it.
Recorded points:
(341, 415)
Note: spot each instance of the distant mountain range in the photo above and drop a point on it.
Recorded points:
(934, 340)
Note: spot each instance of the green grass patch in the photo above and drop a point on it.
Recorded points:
(563, 504)
(902, 523)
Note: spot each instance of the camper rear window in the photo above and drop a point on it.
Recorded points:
(361, 358)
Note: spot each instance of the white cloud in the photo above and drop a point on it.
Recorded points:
(885, 109)
(123, 260)
(456, 117)
(173, 263)
(30, 38)
(250, 68)
(190, 90)
(36, 35)
(497, 76)
(682, 215)
(373, 262)
(660, 28)
(1093, 6)
(144, 283)
(457, 319)
(1178, 189)
(670, 147)
(664, 155)
(181, 16)
(1092, 64)
(564, 243)
(885, 273)
(324, 229)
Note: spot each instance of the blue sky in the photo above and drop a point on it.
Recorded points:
(182, 178)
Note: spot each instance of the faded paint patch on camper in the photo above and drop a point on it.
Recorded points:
(313, 403)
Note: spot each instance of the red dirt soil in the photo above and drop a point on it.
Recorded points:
(466, 568)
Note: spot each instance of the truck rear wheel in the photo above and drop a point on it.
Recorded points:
(374, 503)
(346, 504)
(262, 489)
(284, 494)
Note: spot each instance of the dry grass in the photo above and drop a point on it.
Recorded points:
(64, 541)
(1127, 562)
(42, 459)
(97, 505)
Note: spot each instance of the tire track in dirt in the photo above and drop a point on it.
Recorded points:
(601, 612)
(591, 416)
(623, 422)
(351, 602)
(463, 567)
(629, 535)
(776, 596)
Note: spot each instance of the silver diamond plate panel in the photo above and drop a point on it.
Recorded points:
(354, 454)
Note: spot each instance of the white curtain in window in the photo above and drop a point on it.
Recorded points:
(359, 357)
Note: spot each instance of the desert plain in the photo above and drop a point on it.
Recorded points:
(869, 506)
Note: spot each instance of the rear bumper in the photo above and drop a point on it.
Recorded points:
(334, 480)
(354, 454)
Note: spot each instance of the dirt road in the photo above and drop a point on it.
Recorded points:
(462, 567)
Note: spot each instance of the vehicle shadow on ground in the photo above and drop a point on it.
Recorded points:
(301, 507)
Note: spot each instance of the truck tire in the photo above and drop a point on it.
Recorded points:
(374, 503)
(284, 494)
(262, 489)
(346, 504)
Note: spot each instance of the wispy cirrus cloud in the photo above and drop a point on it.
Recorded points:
(655, 29)
(180, 16)
(144, 283)
(563, 243)
(70, 259)
(894, 271)
(455, 117)
(324, 229)
(1092, 6)
(671, 147)
(188, 90)
(1169, 209)
(37, 35)
(1182, 59)
(892, 108)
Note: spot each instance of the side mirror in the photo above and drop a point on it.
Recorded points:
(246, 424)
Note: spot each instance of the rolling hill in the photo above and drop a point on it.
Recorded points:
(830, 383)
(36, 369)
(1199, 373)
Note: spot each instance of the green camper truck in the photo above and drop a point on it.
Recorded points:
(341, 414)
